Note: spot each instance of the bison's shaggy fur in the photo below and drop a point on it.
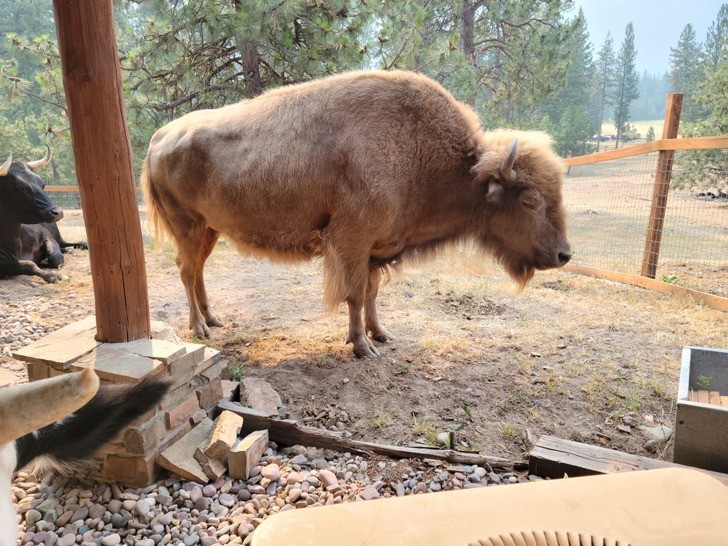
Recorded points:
(365, 169)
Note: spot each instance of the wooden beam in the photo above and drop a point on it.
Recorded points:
(716, 302)
(289, 432)
(661, 188)
(553, 457)
(696, 143)
(102, 150)
(69, 189)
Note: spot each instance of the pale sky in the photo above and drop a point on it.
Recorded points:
(657, 25)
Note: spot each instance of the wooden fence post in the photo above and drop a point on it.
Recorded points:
(661, 187)
(102, 149)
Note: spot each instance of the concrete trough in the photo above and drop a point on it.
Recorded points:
(701, 428)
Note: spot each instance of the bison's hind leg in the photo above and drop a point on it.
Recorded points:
(194, 244)
(209, 239)
(372, 323)
(52, 255)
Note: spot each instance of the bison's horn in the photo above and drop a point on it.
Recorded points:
(6, 166)
(28, 407)
(507, 171)
(32, 165)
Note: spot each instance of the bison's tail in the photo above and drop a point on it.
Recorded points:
(156, 221)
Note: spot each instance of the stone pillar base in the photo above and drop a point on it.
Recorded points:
(195, 370)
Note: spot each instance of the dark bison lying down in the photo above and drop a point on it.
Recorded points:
(365, 169)
(29, 236)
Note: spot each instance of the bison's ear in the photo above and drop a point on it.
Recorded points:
(497, 164)
(495, 191)
(487, 168)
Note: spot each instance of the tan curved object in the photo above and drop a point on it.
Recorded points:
(28, 407)
(666, 507)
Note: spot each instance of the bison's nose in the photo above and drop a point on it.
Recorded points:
(57, 213)
(564, 258)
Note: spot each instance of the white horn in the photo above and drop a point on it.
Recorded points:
(507, 171)
(28, 407)
(6, 166)
(33, 165)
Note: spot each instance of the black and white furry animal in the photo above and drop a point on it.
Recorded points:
(66, 419)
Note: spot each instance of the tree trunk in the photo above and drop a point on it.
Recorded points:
(601, 111)
(468, 37)
(102, 149)
(251, 66)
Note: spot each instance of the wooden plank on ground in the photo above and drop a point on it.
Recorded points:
(716, 302)
(724, 401)
(714, 398)
(703, 396)
(289, 432)
(553, 457)
(692, 395)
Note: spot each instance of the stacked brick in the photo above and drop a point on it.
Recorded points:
(194, 370)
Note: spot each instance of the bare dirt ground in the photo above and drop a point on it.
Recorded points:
(570, 356)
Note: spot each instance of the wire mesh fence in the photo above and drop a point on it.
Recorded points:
(609, 207)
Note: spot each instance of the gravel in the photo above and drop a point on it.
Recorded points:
(62, 511)
(55, 510)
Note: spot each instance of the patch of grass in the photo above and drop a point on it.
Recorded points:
(504, 405)
(237, 371)
(425, 429)
(629, 401)
(509, 432)
(402, 369)
(657, 387)
(468, 412)
(317, 359)
(380, 419)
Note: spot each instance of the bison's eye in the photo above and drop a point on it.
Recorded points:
(532, 200)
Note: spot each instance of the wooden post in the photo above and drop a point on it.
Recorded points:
(661, 188)
(102, 149)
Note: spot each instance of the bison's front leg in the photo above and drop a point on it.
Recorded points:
(370, 310)
(363, 346)
(194, 243)
(26, 267)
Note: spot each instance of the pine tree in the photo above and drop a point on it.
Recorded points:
(569, 109)
(605, 74)
(715, 40)
(504, 58)
(702, 168)
(686, 71)
(650, 137)
(626, 85)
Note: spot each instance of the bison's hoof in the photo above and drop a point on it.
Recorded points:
(51, 278)
(200, 330)
(214, 321)
(383, 336)
(365, 350)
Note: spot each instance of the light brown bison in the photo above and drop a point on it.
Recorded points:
(365, 169)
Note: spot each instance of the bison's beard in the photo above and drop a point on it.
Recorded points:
(520, 270)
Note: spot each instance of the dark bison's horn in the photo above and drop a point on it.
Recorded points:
(32, 165)
(507, 171)
(6, 166)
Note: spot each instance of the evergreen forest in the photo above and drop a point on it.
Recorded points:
(527, 65)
